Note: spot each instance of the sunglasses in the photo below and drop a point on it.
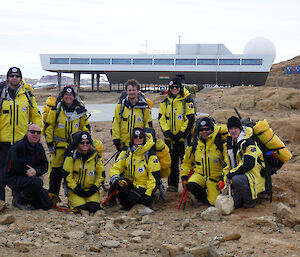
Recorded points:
(175, 86)
(13, 76)
(83, 142)
(35, 132)
(138, 136)
(204, 129)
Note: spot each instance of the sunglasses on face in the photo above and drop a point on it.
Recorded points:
(83, 142)
(175, 86)
(204, 129)
(14, 76)
(138, 136)
(35, 132)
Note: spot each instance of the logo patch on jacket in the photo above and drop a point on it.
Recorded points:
(76, 125)
(155, 160)
(140, 169)
(139, 119)
(24, 109)
(179, 117)
(91, 173)
(253, 149)
(215, 160)
(191, 105)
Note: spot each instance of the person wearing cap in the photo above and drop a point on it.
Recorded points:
(18, 109)
(26, 164)
(84, 169)
(66, 118)
(244, 162)
(136, 172)
(176, 119)
(205, 157)
(133, 111)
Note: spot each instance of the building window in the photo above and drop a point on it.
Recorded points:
(229, 61)
(59, 60)
(185, 61)
(142, 61)
(80, 61)
(164, 61)
(252, 61)
(100, 61)
(121, 61)
(207, 61)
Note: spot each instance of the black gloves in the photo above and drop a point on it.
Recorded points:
(117, 143)
(146, 200)
(85, 193)
(167, 133)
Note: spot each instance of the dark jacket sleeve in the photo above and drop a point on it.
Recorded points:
(42, 168)
(15, 164)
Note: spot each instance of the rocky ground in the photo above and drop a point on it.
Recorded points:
(269, 229)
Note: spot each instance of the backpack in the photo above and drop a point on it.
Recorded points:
(274, 151)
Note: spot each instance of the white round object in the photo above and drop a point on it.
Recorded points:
(260, 45)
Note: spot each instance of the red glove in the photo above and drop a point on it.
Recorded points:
(220, 185)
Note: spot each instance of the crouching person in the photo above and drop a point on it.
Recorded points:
(83, 168)
(26, 163)
(244, 162)
(205, 156)
(136, 172)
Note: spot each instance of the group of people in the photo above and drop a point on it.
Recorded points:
(206, 161)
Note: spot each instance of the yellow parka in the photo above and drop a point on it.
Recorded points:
(177, 114)
(256, 181)
(207, 160)
(127, 117)
(58, 130)
(135, 167)
(84, 173)
(18, 113)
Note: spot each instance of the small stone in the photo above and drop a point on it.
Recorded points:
(283, 211)
(141, 233)
(136, 239)
(7, 219)
(169, 250)
(95, 249)
(186, 223)
(297, 228)
(66, 255)
(109, 226)
(111, 244)
(211, 214)
(203, 251)
(146, 219)
(232, 236)
(144, 211)
(22, 248)
(75, 234)
(2, 205)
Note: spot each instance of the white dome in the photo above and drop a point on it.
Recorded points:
(260, 45)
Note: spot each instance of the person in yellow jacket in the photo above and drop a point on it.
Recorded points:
(131, 112)
(136, 172)
(205, 157)
(84, 168)
(68, 117)
(244, 162)
(176, 119)
(18, 108)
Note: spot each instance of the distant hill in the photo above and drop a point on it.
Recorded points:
(278, 76)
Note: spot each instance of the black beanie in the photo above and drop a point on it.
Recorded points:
(78, 136)
(234, 122)
(175, 81)
(68, 89)
(206, 122)
(14, 70)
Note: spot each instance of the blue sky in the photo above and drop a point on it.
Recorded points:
(30, 27)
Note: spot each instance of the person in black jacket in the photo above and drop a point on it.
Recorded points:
(26, 163)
